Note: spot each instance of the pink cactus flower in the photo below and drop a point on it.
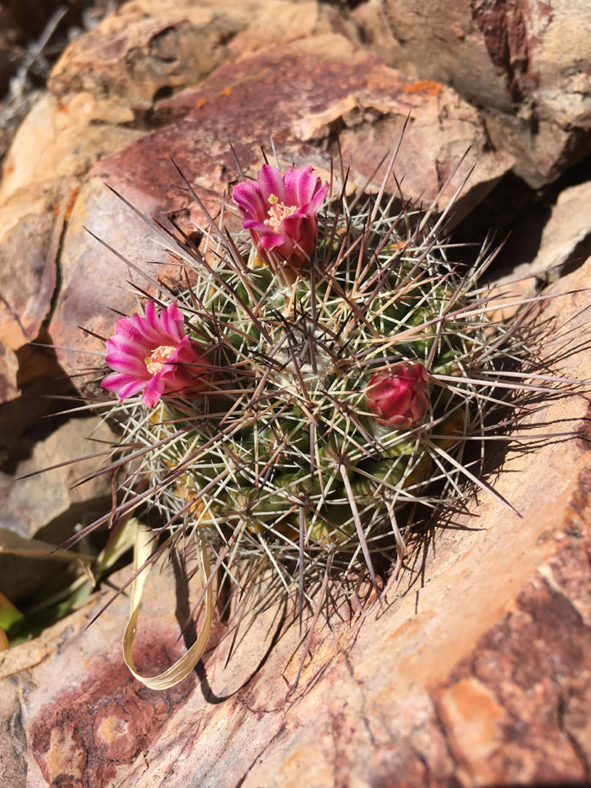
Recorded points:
(280, 213)
(154, 355)
(399, 395)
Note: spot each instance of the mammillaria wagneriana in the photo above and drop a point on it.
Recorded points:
(280, 466)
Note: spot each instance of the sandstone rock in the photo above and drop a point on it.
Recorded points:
(29, 244)
(476, 671)
(565, 243)
(48, 504)
(10, 427)
(566, 240)
(54, 147)
(95, 282)
(152, 48)
(107, 710)
(526, 63)
(13, 766)
(8, 374)
(64, 138)
(311, 90)
(142, 50)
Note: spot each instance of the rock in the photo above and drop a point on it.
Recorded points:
(54, 147)
(324, 86)
(150, 49)
(31, 230)
(565, 244)
(13, 766)
(94, 281)
(527, 64)
(476, 671)
(304, 92)
(143, 50)
(110, 719)
(12, 424)
(60, 139)
(33, 385)
(566, 239)
(49, 505)
(8, 374)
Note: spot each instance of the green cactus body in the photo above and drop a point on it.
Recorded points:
(282, 450)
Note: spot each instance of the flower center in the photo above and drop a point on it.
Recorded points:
(158, 357)
(277, 212)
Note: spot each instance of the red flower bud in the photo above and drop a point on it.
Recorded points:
(399, 396)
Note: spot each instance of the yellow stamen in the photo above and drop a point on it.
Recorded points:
(158, 357)
(278, 212)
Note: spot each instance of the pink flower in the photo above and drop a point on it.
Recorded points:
(280, 213)
(153, 354)
(399, 396)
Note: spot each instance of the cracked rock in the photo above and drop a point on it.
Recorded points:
(526, 63)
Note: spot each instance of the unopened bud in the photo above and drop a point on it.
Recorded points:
(399, 396)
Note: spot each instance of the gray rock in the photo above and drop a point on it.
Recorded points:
(47, 505)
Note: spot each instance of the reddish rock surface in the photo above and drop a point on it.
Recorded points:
(149, 49)
(53, 500)
(54, 147)
(35, 227)
(476, 671)
(566, 239)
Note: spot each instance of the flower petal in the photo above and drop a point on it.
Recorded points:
(124, 385)
(318, 198)
(127, 327)
(153, 391)
(122, 363)
(150, 336)
(251, 202)
(271, 240)
(271, 182)
(299, 185)
(172, 322)
(124, 346)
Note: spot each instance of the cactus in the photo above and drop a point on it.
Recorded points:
(320, 377)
